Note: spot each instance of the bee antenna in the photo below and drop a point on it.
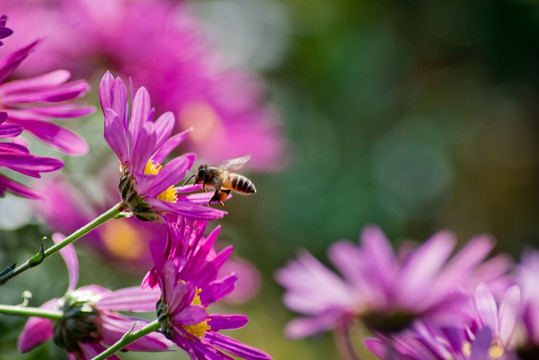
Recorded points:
(186, 181)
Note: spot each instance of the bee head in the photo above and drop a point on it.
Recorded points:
(201, 173)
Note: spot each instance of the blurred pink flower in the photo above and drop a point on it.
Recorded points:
(425, 343)
(91, 319)
(500, 320)
(166, 51)
(384, 291)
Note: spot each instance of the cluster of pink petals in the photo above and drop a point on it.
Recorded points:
(138, 140)
(28, 105)
(32, 102)
(487, 334)
(16, 157)
(186, 266)
(421, 284)
(166, 51)
(112, 325)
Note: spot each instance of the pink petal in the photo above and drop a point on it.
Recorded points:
(140, 114)
(10, 130)
(163, 126)
(115, 134)
(218, 290)
(191, 315)
(9, 63)
(486, 307)
(130, 299)
(37, 330)
(466, 259)
(56, 136)
(16, 188)
(509, 310)
(377, 251)
(51, 79)
(105, 91)
(70, 258)
(424, 264)
(232, 321)
(235, 347)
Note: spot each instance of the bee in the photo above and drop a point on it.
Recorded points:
(223, 179)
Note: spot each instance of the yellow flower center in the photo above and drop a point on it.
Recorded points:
(153, 168)
(495, 351)
(168, 195)
(197, 330)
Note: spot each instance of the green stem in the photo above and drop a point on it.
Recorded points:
(128, 339)
(30, 311)
(42, 255)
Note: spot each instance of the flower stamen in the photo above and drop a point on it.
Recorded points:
(169, 195)
(152, 168)
(197, 330)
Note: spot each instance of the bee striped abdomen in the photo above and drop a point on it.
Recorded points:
(242, 184)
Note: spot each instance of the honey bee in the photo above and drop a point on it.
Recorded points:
(223, 179)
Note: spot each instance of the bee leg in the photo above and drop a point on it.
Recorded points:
(215, 197)
(222, 196)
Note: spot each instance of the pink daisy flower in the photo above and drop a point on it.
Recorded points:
(500, 320)
(91, 320)
(186, 272)
(146, 186)
(387, 292)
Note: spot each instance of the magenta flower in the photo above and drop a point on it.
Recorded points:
(147, 187)
(17, 158)
(501, 321)
(32, 102)
(485, 335)
(388, 293)
(90, 319)
(225, 106)
(186, 272)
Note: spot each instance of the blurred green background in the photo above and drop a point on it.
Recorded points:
(413, 115)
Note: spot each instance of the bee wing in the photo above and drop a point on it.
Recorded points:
(236, 164)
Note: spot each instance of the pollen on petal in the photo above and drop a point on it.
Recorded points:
(169, 195)
(152, 168)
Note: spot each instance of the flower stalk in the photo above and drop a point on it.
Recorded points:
(19, 310)
(43, 254)
(128, 338)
